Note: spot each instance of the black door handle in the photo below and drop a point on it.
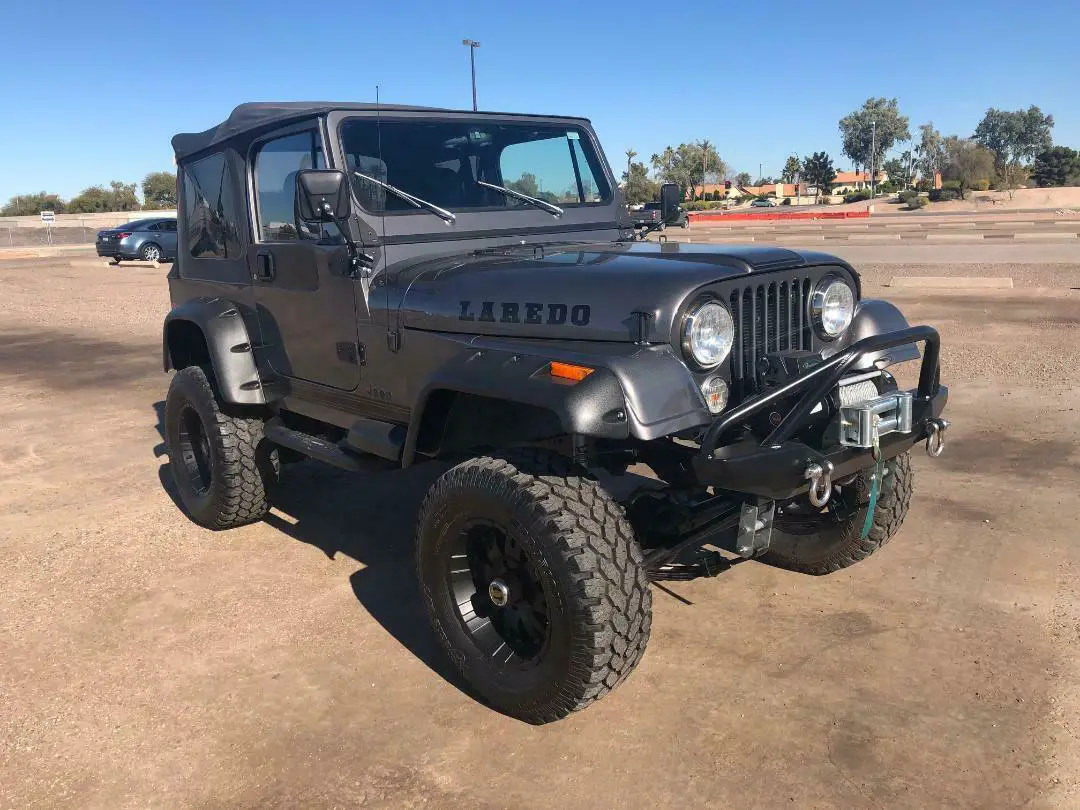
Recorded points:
(264, 266)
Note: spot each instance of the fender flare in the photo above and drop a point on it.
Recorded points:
(228, 344)
(646, 392)
(874, 316)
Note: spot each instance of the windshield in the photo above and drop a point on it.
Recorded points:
(445, 162)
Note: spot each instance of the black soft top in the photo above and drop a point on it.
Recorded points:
(265, 114)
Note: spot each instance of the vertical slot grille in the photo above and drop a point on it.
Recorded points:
(769, 317)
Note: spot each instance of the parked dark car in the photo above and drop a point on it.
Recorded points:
(650, 215)
(151, 240)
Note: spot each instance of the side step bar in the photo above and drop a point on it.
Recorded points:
(323, 450)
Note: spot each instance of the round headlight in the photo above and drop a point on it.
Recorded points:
(708, 334)
(832, 307)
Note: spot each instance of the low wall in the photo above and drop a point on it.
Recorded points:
(108, 219)
(717, 216)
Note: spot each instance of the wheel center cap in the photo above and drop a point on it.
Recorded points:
(498, 593)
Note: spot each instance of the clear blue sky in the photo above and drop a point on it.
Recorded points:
(92, 91)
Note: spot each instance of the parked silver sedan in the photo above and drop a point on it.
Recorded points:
(152, 240)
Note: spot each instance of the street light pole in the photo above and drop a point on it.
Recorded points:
(473, 45)
(873, 156)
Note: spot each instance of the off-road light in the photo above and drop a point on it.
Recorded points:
(708, 334)
(832, 307)
(715, 391)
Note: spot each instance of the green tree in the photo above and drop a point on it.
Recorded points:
(630, 155)
(32, 204)
(688, 165)
(1057, 166)
(791, 169)
(97, 199)
(526, 184)
(817, 170)
(765, 181)
(159, 190)
(742, 179)
(968, 162)
(865, 143)
(930, 151)
(1014, 137)
(638, 186)
(898, 170)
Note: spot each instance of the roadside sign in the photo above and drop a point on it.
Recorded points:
(48, 217)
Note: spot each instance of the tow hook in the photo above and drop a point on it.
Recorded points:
(820, 478)
(935, 436)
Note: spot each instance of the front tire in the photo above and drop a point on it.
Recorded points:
(822, 543)
(533, 582)
(220, 461)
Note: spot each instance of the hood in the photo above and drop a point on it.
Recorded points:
(578, 292)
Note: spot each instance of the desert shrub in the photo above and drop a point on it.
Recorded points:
(856, 196)
(786, 201)
(945, 194)
(917, 202)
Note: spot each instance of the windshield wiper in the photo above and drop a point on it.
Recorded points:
(554, 210)
(448, 217)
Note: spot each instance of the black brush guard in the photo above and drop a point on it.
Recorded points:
(776, 466)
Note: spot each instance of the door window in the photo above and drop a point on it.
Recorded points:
(209, 209)
(276, 166)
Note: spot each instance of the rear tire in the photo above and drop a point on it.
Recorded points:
(576, 615)
(220, 461)
(837, 544)
(151, 253)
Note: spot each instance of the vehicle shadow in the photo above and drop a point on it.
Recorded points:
(370, 519)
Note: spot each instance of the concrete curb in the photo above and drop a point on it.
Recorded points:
(1044, 235)
(953, 237)
(953, 282)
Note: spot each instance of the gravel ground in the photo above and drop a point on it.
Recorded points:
(147, 662)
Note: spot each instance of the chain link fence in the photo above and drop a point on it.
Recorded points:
(38, 237)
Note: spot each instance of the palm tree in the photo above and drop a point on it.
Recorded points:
(630, 155)
(706, 147)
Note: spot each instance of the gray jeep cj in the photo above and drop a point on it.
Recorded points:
(380, 286)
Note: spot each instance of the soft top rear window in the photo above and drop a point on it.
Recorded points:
(442, 162)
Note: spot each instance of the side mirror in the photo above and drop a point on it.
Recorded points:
(322, 195)
(669, 200)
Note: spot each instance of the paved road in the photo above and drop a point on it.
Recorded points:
(147, 662)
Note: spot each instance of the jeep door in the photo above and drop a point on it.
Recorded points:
(302, 287)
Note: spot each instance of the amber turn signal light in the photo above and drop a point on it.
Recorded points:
(568, 371)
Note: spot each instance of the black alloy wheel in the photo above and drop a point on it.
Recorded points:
(499, 595)
(195, 451)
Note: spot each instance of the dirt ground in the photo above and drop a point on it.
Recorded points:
(145, 662)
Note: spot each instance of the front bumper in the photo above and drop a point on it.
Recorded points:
(777, 467)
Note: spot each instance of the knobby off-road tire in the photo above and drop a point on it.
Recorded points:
(220, 461)
(581, 550)
(839, 545)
